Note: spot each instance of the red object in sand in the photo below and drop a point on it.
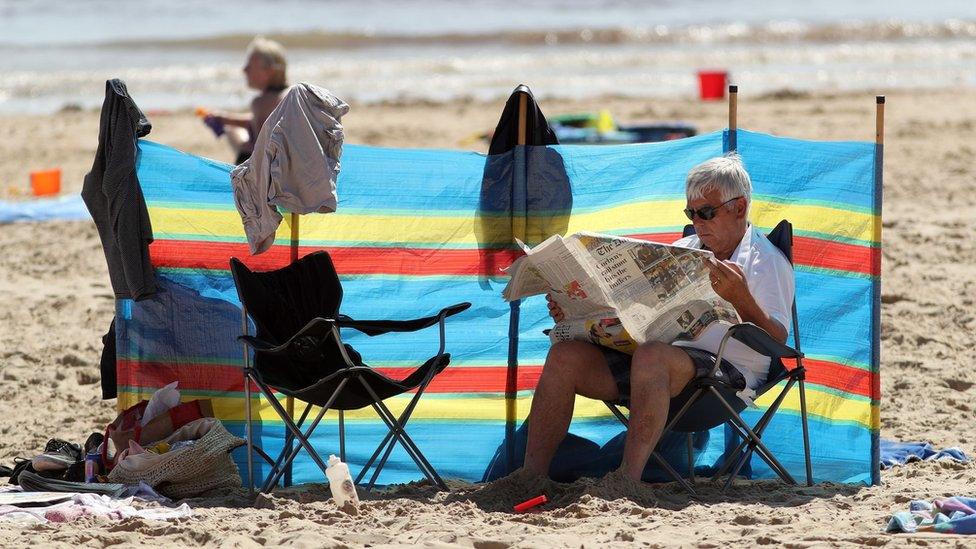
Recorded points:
(534, 502)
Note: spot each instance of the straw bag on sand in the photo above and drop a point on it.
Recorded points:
(186, 471)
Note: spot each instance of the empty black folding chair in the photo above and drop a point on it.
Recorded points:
(298, 352)
(709, 401)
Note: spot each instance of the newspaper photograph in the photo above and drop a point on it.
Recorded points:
(620, 292)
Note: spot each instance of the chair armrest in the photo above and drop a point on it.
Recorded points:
(316, 328)
(378, 327)
(760, 341)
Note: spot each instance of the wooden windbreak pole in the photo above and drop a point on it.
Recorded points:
(876, 270)
(294, 237)
(511, 379)
(733, 108)
(523, 109)
(879, 120)
(290, 401)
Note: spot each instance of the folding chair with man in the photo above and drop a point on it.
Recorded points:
(710, 401)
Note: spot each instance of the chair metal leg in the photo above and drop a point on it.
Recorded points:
(278, 472)
(806, 433)
(402, 421)
(379, 466)
(761, 448)
(342, 436)
(740, 459)
(404, 417)
(684, 409)
(247, 405)
(283, 469)
(620, 415)
(760, 427)
(399, 433)
(691, 458)
(739, 463)
(674, 474)
(411, 447)
(249, 433)
(286, 450)
(282, 413)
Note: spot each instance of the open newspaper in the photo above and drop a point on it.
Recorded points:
(621, 292)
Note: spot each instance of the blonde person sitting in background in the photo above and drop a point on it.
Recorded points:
(265, 72)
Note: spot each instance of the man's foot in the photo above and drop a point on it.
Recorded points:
(617, 485)
(503, 494)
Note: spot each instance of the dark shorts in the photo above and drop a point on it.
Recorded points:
(703, 361)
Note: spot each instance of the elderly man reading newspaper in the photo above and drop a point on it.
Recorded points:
(744, 272)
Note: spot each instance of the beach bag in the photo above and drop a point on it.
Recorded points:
(186, 471)
(128, 426)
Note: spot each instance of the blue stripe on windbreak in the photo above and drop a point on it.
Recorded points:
(835, 173)
(404, 179)
(619, 174)
(441, 182)
(779, 167)
(169, 175)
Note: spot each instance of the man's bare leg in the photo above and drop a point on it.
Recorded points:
(658, 373)
(571, 368)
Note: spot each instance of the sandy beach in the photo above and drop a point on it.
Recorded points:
(55, 302)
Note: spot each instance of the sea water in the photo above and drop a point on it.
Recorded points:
(180, 53)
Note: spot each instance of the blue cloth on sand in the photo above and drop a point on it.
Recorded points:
(69, 207)
(899, 453)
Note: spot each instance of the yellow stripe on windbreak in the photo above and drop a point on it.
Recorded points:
(663, 214)
(824, 404)
(454, 231)
(492, 407)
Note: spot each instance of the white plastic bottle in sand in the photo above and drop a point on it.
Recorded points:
(340, 482)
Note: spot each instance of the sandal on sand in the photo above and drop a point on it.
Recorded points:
(58, 455)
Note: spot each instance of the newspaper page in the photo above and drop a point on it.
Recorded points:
(620, 292)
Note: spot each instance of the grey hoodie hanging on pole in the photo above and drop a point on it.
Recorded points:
(294, 165)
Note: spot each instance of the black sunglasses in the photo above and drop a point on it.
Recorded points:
(707, 212)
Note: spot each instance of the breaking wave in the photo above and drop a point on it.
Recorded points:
(727, 33)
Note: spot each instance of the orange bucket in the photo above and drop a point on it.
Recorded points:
(46, 182)
(712, 84)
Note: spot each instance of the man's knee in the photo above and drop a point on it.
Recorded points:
(567, 355)
(565, 359)
(650, 364)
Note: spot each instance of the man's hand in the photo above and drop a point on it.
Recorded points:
(729, 282)
(554, 310)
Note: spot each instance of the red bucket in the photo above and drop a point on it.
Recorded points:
(46, 182)
(712, 84)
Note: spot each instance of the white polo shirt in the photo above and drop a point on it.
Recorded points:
(770, 279)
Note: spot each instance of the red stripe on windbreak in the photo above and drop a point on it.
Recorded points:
(807, 251)
(813, 252)
(212, 377)
(454, 379)
(837, 376)
(348, 260)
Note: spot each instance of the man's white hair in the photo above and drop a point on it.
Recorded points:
(723, 173)
(272, 54)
